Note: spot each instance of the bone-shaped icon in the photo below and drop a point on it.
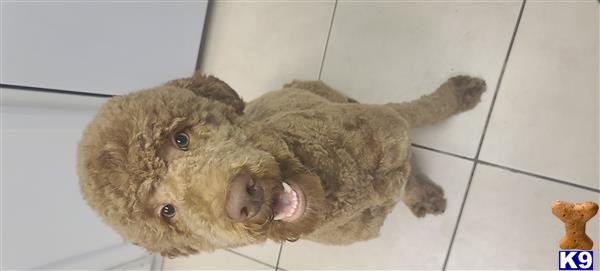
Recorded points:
(575, 216)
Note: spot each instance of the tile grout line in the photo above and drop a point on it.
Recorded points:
(546, 178)
(327, 40)
(1, 145)
(79, 257)
(249, 258)
(485, 127)
(158, 263)
(511, 169)
(126, 263)
(278, 256)
(205, 32)
(442, 152)
(56, 91)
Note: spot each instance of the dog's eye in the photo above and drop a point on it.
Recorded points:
(168, 211)
(182, 141)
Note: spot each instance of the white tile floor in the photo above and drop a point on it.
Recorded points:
(540, 144)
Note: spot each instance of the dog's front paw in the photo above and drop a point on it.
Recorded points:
(468, 91)
(435, 204)
(424, 197)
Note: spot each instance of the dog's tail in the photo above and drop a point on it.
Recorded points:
(456, 95)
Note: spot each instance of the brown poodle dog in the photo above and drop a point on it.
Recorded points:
(189, 167)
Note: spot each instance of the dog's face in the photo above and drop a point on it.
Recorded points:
(172, 170)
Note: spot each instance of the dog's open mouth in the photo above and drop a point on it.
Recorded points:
(288, 202)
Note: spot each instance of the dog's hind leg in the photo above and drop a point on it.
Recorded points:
(321, 89)
(423, 196)
(456, 95)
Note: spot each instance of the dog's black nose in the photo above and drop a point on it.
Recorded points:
(244, 198)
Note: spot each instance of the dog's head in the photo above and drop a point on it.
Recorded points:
(171, 169)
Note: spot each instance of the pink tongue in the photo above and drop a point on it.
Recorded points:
(283, 202)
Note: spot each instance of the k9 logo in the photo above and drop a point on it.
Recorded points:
(575, 260)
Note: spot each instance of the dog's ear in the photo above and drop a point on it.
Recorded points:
(211, 88)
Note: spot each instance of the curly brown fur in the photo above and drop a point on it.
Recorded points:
(350, 160)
